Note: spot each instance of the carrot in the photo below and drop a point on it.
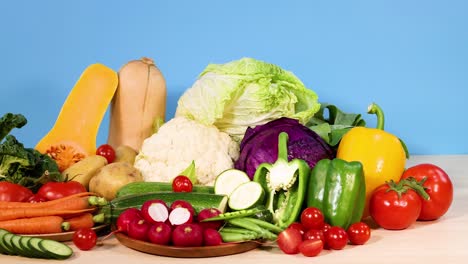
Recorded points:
(35, 225)
(81, 221)
(16, 213)
(7, 205)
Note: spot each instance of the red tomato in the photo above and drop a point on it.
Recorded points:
(107, 151)
(85, 238)
(298, 226)
(289, 240)
(56, 190)
(182, 183)
(312, 218)
(311, 248)
(313, 234)
(391, 211)
(336, 238)
(439, 187)
(358, 233)
(12, 192)
(37, 199)
(326, 227)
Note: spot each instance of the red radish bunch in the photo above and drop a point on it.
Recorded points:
(175, 225)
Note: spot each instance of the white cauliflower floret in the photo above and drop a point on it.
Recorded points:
(167, 153)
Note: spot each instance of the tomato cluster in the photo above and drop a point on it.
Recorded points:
(395, 211)
(312, 234)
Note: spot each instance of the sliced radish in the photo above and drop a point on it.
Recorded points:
(180, 215)
(155, 211)
(184, 204)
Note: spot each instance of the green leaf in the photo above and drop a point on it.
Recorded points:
(190, 173)
(332, 127)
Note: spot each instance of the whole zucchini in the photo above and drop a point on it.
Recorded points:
(199, 201)
(146, 187)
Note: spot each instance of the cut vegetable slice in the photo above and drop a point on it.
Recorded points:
(246, 195)
(228, 180)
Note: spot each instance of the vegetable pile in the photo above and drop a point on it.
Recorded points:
(251, 155)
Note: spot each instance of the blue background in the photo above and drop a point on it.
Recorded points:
(411, 57)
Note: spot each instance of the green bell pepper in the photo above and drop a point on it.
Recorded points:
(285, 183)
(337, 187)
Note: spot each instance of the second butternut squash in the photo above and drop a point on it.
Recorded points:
(139, 102)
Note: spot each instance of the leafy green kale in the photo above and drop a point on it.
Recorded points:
(333, 126)
(25, 166)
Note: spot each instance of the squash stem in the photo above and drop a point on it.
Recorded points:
(375, 109)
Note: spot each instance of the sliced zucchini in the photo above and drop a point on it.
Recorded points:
(55, 249)
(246, 196)
(228, 180)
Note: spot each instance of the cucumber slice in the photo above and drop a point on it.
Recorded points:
(3, 248)
(55, 249)
(22, 251)
(246, 196)
(228, 180)
(27, 248)
(33, 244)
(8, 245)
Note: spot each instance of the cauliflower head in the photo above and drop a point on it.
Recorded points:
(165, 154)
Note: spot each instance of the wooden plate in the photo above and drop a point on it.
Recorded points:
(186, 252)
(63, 236)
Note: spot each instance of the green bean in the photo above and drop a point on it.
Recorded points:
(264, 233)
(234, 214)
(269, 226)
(237, 237)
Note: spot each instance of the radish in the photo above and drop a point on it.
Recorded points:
(187, 235)
(126, 217)
(211, 237)
(208, 213)
(184, 204)
(155, 211)
(180, 215)
(138, 229)
(160, 233)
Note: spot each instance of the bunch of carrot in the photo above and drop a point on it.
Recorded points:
(65, 214)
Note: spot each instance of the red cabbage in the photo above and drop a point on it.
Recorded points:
(260, 144)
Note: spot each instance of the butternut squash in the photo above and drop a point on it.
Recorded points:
(73, 136)
(139, 102)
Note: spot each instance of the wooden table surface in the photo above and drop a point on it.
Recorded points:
(442, 241)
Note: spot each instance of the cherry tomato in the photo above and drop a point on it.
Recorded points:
(313, 234)
(12, 192)
(312, 218)
(439, 187)
(107, 151)
(298, 226)
(326, 227)
(85, 238)
(289, 240)
(182, 183)
(391, 211)
(311, 248)
(336, 238)
(358, 233)
(56, 190)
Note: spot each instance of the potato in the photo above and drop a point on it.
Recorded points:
(125, 153)
(110, 178)
(85, 169)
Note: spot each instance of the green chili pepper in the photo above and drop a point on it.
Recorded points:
(285, 183)
(338, 189)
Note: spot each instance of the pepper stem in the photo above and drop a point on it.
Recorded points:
(375, 109)
(283, 146)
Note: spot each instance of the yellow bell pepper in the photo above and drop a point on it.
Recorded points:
(382, 154)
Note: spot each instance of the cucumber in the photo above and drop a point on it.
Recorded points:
(15, 242)
(145, 187)
(199, 201)
(33, 244)
(8, 244)
(246, 196)
(55, 249)
(228, 180)
(4, 249)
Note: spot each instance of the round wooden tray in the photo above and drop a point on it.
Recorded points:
(64, 236)
(186, 252)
